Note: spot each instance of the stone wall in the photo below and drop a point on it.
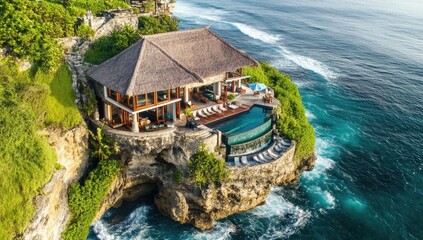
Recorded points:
(116, 22)
(51, 208)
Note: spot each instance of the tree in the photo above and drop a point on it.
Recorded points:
(102, 145)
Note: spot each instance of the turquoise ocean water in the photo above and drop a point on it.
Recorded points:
(359, 67)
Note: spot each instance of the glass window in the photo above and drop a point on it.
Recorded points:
(142, 101)
(150, 98)
(112, 94)
(162, 96)
(173, 94)
(131, 102)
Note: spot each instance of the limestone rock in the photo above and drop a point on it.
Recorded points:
(51, 208)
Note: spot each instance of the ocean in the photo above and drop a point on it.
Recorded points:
(359, 67)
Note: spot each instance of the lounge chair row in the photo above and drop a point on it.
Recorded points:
(269, 155)
(206, 112)
(242, 160)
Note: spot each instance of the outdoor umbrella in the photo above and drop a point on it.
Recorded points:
(258, 86)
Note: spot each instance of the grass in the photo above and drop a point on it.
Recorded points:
(27, 101)
(60, 101)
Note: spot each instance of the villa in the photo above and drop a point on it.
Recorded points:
(155, 79)
(147, 87)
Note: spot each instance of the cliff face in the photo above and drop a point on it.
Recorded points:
(51, 207)
(151, 161)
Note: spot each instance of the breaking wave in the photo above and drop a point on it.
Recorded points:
(257, 34)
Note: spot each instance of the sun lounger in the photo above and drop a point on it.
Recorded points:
(262, 158)
(244, 161)
(285, 143)
(210, 110)
(272, 154)
(206, 112)
(201, 114)
(268, 156)
(255, 158)
(216, 110)
(194, 114)
(237, 163)
(232, 106)
(277, 148)
(221, 107)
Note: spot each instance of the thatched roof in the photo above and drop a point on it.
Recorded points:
(169, 60)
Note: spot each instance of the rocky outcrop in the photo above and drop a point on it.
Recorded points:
(51, 207)
(150, 161)
(247, 188)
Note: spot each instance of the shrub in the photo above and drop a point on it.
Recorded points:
(177, 176)
(231, 97)
(85, 199)
(204, 168)
(109, 46)
(292, 121)
(84, 31)
(149, 6)
(102, 146)
(148, 25)
(187, 112)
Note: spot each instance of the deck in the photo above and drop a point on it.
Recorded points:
(229, 113)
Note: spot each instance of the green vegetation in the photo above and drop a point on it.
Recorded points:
(85, 200)
(204, 168)
(84, 31)
(29, 29)
(187, 112)
(159, 24)
(177, 176)
(102, 145)
(231, 96)
(121, 38)
(27, 161)
(109, 46)
(78, 7)
(292, 120)
(149, 6)
(59, 103)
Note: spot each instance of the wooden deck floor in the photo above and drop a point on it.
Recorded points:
(226, 114)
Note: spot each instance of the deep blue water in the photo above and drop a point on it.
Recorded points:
(359, 67)
(242, 122)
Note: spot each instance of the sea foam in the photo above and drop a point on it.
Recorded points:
(308, 63)
(257, 34)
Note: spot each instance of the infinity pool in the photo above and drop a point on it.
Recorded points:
(242, 122)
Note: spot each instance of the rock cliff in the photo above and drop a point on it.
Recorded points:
(150, 162)
(51, 206)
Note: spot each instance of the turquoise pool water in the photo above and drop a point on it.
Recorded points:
(242, 122)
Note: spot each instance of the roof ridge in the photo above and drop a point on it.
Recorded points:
(195, 75)
(232, 47)
(173, 32)
(137, 66)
